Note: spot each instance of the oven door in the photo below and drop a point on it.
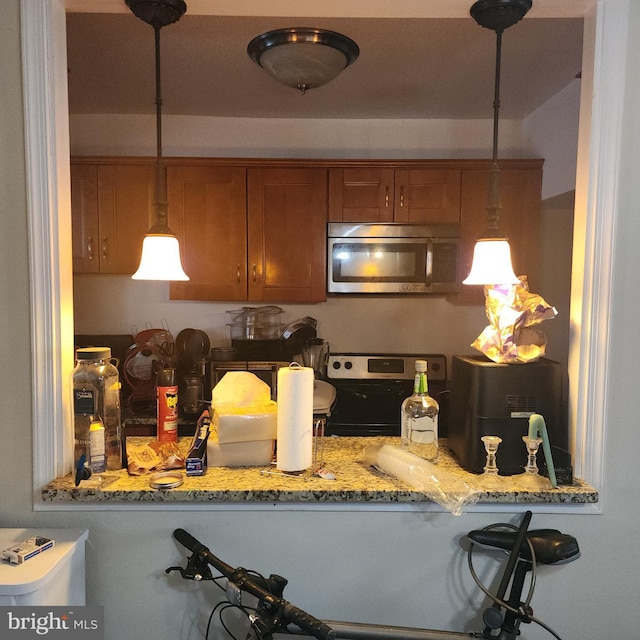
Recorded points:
(379, 265)
(368, 407)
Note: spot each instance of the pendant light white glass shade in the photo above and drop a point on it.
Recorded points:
(160, 259)
(491, 263)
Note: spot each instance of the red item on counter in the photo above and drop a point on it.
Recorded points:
(167, 394)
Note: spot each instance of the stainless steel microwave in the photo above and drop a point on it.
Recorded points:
(393, 258)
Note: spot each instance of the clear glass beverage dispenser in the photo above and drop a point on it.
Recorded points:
(96, 395)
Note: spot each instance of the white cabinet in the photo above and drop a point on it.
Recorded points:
(55, 577)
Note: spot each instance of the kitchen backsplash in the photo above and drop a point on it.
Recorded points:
(115, 304)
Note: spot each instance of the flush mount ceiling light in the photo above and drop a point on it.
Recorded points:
(492, 254)
(302, 57)
(160, 250)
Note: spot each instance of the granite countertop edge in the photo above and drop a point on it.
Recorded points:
(355, 483)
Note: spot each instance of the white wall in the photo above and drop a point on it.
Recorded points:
(104, 134)
(551, 132)
(396, 567)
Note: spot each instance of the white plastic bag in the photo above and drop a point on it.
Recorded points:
(440, 485)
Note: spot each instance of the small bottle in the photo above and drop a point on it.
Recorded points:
(419, 418)
(167, 405)
(97, 454)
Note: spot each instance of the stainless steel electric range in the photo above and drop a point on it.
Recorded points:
(370, 389)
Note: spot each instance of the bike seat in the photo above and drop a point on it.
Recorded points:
(550, 545)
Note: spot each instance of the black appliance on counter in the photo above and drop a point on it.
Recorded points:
(489, 398)
(370, 389)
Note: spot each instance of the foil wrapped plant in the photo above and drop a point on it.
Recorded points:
(513, 311)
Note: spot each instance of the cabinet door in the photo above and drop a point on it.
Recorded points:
(520, 195)
(427, 196)
(84, 218)
(361, 194)
(287, 215)
(207, 209)
(125, 196)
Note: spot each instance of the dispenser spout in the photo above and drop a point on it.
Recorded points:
(538, 429)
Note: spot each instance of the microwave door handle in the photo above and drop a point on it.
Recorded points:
(428, 276)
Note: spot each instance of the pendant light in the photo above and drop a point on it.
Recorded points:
(492, 254)
(160, 250)
(302, 57)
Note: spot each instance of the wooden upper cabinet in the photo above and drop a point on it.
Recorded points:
(429, 196)
(287, 227)
(125, 205)
(255, 230)
(379, 194)
(84, 218)
(111, 206)
(207, 211)
(521, 199)
(361, 194)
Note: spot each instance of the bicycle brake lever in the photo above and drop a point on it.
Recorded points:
(263, 623)
(195, 570)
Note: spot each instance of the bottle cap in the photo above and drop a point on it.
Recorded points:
(421, 366)
(93, 353)
(166, 378)
(95, 423)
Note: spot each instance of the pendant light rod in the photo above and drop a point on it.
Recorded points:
(494, 205)
(160, 195)
(496, 95)
(158, 14)
(497, 15)
(158, 96)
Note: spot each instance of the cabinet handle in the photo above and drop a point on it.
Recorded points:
(90, 248)
(254, 273)
(386, 197)
(105, 247)
(402, 196)
(238, 272)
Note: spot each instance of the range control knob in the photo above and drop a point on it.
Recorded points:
(336, 364)
(348, 365)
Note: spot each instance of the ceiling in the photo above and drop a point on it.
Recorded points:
(408, 67)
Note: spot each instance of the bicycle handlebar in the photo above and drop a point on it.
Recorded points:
(244, 581)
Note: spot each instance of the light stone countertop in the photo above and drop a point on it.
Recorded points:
(355, 482)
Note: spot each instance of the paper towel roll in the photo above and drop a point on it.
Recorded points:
(295, 418)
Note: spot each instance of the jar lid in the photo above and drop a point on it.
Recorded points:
(166, 480)
(93, 353)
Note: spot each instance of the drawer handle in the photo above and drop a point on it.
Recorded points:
(105, 247)
(386, 197)
(90, 248)
(238, 272)
(402, 196)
